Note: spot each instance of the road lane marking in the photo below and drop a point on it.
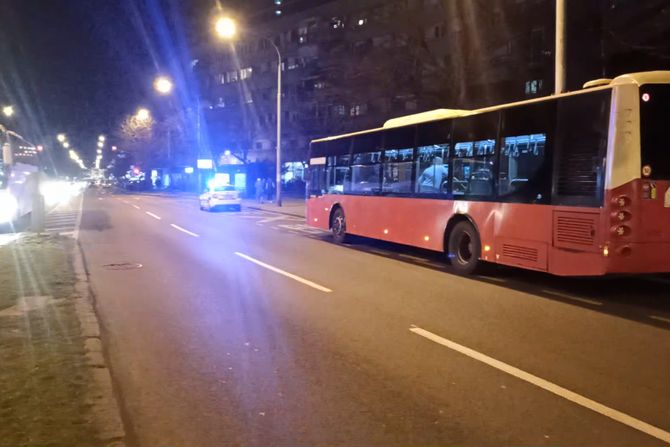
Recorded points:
(547, 386)
(663, 319)
(126, 202)
(574, 298)
(271, 219)
(136, 207)
(282, 272)
(149, 213)
(493, 278)
(184, 230)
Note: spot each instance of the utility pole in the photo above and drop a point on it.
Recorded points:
(278, 173)
(559, 76)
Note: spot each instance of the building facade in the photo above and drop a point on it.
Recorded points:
(348, 65)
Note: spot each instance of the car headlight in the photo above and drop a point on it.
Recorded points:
(8, 207)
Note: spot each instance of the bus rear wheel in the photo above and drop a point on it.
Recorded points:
(339, 226)
(464, 248)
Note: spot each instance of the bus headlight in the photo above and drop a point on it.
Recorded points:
(8, 207)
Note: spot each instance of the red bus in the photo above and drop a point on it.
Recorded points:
(573, 184)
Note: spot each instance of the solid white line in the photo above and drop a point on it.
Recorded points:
(184, 230)
(282, 272)
(570, 297)
(136, 207)
(153, 215)
(663, 319)
(548, 386)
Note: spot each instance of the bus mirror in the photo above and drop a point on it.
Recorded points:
(7, 155)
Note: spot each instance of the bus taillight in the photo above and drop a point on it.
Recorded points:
(621, 201)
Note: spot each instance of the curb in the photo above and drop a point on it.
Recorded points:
(104, 406)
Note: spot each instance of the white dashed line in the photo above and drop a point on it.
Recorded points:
(287, 274)
(493, 278)
(574, 298)
(547, 386)
(136, 207)
(184, 230)
(153, 215)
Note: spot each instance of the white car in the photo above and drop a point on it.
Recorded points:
(221, 196)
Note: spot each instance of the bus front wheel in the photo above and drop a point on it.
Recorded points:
(464, 248)
(339, 226)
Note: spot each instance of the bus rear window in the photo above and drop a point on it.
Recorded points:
(654, 119)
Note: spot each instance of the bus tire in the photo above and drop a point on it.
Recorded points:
(464, 248)
(338, 226)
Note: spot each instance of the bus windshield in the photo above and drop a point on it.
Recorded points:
(654, 112)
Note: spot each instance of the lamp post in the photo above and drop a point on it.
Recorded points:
(164, 86)
(559, 63)
(226, 29)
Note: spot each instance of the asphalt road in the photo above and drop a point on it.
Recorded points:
(252, 329)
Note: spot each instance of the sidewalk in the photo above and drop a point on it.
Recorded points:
(54, 388)
(291, 206)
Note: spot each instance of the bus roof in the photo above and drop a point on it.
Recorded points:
(646, 77)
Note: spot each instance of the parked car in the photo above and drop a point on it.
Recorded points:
(221, 197)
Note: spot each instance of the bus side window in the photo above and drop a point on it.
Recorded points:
(338, 174)
(474, 155)
(398, 160)
(524, 174)
(432, 169)
(432, 158)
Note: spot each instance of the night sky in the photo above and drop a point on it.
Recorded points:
(80, 66)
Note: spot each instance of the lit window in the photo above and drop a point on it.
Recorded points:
(245, 73)
(362, 21)
(337, 22)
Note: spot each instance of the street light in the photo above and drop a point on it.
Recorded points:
(66, 144)
(61, 137)
(143, 114)
(101, 138)
(163, 85)
(100, 144)
(8, 111)
(226, 29)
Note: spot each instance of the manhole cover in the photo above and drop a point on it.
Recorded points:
(123, 266)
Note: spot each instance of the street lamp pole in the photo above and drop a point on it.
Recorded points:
(278, 170)
(559, 53)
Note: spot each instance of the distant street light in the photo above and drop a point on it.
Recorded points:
(101, 138)
(225, 27)
(163, 85)
(61, 137)
(99, 151)
(100, 144)
(66, 144)
(8, 111)
(143, 114)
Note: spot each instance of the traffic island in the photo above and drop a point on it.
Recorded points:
(54, 387)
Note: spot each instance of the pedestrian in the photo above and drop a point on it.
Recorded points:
(259, 190)
(267, 189)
